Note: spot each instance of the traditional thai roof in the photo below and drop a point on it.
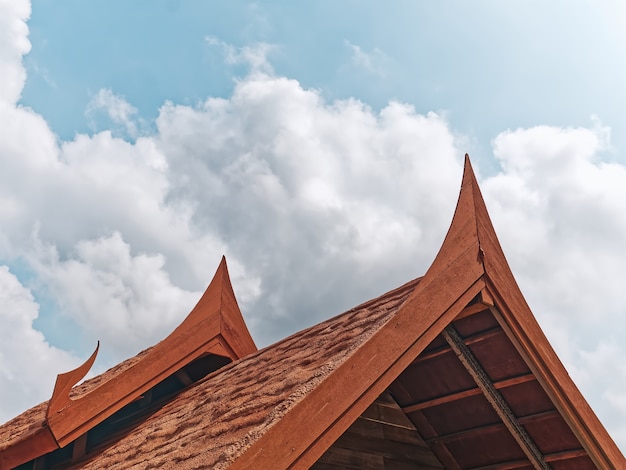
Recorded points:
(449, 371)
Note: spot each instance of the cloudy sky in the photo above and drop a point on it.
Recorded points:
(318, 146)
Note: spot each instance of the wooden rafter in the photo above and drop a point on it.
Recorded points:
(554, 457)
(487, 428)
(476, 338)
(466, 393)
(494, 398)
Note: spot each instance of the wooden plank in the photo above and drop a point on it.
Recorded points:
(441, 400)
(466, 393)
(368, 428)
(472, 310)
(40, 441)
(473, 339)
(566, 455)
(383, 431)
(487, 428)
(391, 464)
(385, 448)
(346, 458)
(79, 449)
(403, 435)
(556, 457)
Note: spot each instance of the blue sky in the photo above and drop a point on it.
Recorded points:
(487, 65)
(312, 143)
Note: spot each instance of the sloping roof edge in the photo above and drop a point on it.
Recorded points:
(514, 315)
(470, 261)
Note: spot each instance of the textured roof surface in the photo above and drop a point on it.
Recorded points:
(216, 419)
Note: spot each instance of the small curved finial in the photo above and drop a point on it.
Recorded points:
(61, 394)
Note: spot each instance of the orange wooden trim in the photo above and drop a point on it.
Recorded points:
(472, 310)
(331, 434)
(39, 442)
(64, 383)
(214, 325)
(565, 455)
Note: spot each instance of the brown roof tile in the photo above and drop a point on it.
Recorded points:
(216, 419)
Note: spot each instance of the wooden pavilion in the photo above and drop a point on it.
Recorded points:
(449, 371)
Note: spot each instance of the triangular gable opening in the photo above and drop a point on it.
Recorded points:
(469, 400)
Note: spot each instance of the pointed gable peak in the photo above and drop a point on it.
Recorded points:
(215, 327)
(219, 302)
(218, 291)
(471, 227)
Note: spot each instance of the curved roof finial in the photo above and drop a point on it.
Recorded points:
(64, 383)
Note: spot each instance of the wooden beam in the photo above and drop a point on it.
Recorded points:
(472, 310)
(79, 448)
(439, 449)
(566, 455)
(183, 377)
(475, 338)
(486, 428)
(441, 400)
(466, 393)
(494, 397)
(555, 457)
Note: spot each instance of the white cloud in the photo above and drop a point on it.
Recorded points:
(254, 56)
(28, 364)
(559, 211)
(374, 62)
(121, 299)
(562, 207)
(15, 43)
(119, 112)
(307, 193)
